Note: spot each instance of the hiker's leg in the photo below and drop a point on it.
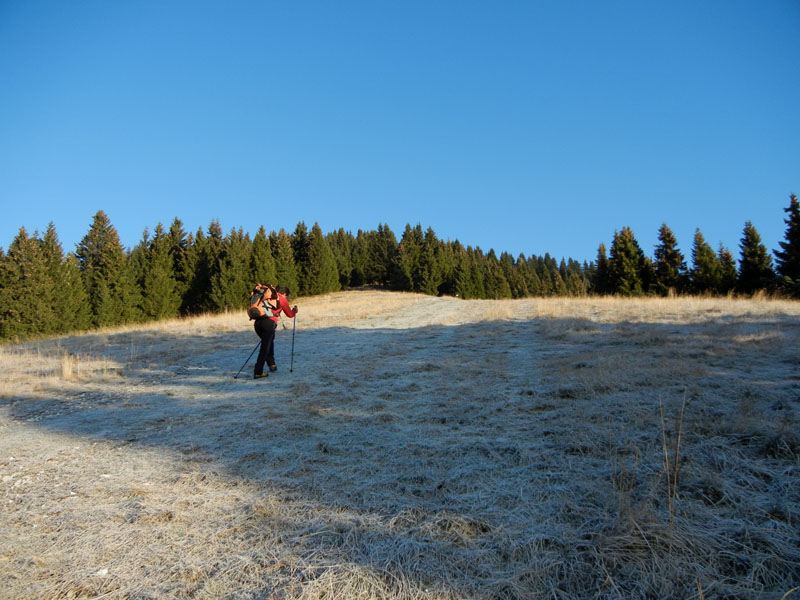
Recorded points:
(261, 329)
(268, 340)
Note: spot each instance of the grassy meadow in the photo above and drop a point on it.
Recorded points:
(420, 448)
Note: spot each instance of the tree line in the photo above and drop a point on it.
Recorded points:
(172, 273)
(627, 271)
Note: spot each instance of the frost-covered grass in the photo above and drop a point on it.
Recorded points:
(421, 448)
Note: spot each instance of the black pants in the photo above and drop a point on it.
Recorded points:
(265, 328)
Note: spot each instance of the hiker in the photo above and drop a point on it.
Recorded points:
(272, 302)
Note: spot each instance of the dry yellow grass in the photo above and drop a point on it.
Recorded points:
(422, 448)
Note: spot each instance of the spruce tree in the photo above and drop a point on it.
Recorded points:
(323, 276)
(513, 275)
(178, 244)
(669, 265)
(447, 268)
(74, 308)
(70, 301)
(461, 276)
(787, 259)
(371, 259)
(430, 271)
(559, 285)
(23, 293)
(477, 273)
(625, 264)
(197, 268)
(727, 270)
(137, 259)
(161, 298)
(209, 250)
(497, 287)
(300, 243)
(408, 276)
(262, 262)
(286, 271)
(52, 256)
(231, 283)
(755, 266)
(383, 256)
(705, 274)
(341, 244)
(575, 278)
(358, 259)
(601, 282)
(113, 292)
(533, 283)
(524, 273)
(545, 277)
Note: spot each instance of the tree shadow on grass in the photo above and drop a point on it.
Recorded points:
(460, 450)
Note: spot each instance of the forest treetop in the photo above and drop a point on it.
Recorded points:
(171, 272)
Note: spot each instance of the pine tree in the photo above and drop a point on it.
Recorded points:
(22, 293)
(371, 259)
(461, 284)
(705, 273)
(178, 245)
(477, 273)
(575, 278)
(755, 266)
(408, 276)
(532, 281)
(382, 257)
(430, 272)
(727, 270)
(497, 287)
(323, 276)
(447, 268)
(70, 301)
(74, 308)
(160, 296)
(285, 269)
(670, 265)
(625, 264)
(197, 268)
(358, 259)
(300, 244)
(559, 285)
(52, 256)
(113, 292)
(525, 275)
(231, 283)
(513, 275)
(787, 259)
(262, 262)
(137, 259)
(209, 250)
(341, 244)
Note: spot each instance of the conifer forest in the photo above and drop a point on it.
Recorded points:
(171, 272)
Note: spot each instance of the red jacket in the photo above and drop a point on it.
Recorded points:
(283, 305)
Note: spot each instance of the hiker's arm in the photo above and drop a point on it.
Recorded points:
(288, 310)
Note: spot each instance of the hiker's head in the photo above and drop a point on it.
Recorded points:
(282, 289)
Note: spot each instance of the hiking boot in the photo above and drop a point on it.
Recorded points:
(273, 368)
(260, 375)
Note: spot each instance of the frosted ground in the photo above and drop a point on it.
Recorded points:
(422, 448)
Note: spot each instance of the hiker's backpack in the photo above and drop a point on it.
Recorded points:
(256, 309)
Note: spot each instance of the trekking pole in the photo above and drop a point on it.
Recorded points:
(248, 360)
(294, 325)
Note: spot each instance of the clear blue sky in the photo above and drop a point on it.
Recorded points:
(527, 127)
